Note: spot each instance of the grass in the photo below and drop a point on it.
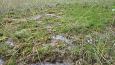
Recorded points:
(90, 23)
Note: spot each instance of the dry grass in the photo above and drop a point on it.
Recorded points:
(88, 23)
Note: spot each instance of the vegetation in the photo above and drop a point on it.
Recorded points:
(28, 31)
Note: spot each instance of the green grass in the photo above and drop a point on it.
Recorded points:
(80, 20)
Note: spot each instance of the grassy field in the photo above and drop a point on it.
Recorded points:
(81, 32)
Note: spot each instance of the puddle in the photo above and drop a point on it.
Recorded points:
(10, 42)
(48, 63)
(1, 62)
